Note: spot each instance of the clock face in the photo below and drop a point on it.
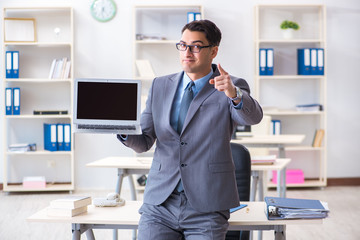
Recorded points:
(103, 10)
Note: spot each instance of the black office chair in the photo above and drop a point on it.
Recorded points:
(242, 161)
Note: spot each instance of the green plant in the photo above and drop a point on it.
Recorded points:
(289, 24)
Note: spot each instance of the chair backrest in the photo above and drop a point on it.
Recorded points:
(242, 161)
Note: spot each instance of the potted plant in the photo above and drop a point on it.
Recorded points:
(288, 27)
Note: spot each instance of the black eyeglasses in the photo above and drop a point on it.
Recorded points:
(192, 48)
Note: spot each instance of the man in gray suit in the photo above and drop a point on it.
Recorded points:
(191, 115)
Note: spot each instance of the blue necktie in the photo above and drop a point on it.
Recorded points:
(184, 106)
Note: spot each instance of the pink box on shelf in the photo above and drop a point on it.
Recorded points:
(292, 176)
(34, 182)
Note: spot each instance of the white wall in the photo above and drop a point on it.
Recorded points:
(105, 50)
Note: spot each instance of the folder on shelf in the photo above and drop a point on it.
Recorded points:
(50, 137)
(320, 61)
(275, 127)
(303, 61)
(15, 64)
(294, 208)
(8, 101)
(60, 136)
(67, 137)
(191, 16)
(8, 64)
(262, 61)
(270, 61)
(16, 101)
(313, 62)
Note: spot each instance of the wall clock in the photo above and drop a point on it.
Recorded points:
(103, 10)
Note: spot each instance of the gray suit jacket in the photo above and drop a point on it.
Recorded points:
(201, 154)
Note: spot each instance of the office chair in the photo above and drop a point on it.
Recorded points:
(242, 161)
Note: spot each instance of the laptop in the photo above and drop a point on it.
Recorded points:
(107, 106)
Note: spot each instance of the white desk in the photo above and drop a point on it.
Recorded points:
(269, 141)
(141, 165)
(127, 217)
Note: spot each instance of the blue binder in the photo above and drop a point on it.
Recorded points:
(276, 127)
(8, 64)
(293, 208)
(16, 101)
(50, 138)
(15, 64)
(60, 136)
(8, 101)
(262, 61)
(304, 61)
(192, 16)
(270, 61)
(67, 137)
(320, 61)
(313, 62)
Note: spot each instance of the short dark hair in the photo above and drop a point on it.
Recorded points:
(211, 31)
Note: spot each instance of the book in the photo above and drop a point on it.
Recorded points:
(263, 160)
(318, 138)
(71, 202)
(294, 208)
(22, 147)
(309, 107)
(61, 212)
(144, 68)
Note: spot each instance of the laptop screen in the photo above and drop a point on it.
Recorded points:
(107, 101)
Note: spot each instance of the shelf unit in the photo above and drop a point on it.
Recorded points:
(281, 92)
(39, 92)
(164, 24)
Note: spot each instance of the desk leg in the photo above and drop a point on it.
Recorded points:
(120, 180)
(280, 232)
(281, 151)
(255, 179)
(283, 190)
(279, 184)
(132, 187)
(76, 233)
(90, 234)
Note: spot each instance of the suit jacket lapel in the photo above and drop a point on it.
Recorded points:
(170, 91)
(204, 93)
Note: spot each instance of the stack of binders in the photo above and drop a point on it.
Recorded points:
(310, 61)
(12, 101)
(266, 61)
(69, 206)
(57, 137)
(12, 64)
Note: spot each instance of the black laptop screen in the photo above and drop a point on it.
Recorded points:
(107, 101)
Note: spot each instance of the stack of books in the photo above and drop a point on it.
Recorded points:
(68, 206)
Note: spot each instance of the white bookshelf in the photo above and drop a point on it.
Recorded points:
(165, 23)
(38, 92)
(281, 92)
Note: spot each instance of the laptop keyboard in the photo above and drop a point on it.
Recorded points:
(106, 127)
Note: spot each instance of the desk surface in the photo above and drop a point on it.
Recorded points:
(145, 163)
(253, 214)
(270, 139)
